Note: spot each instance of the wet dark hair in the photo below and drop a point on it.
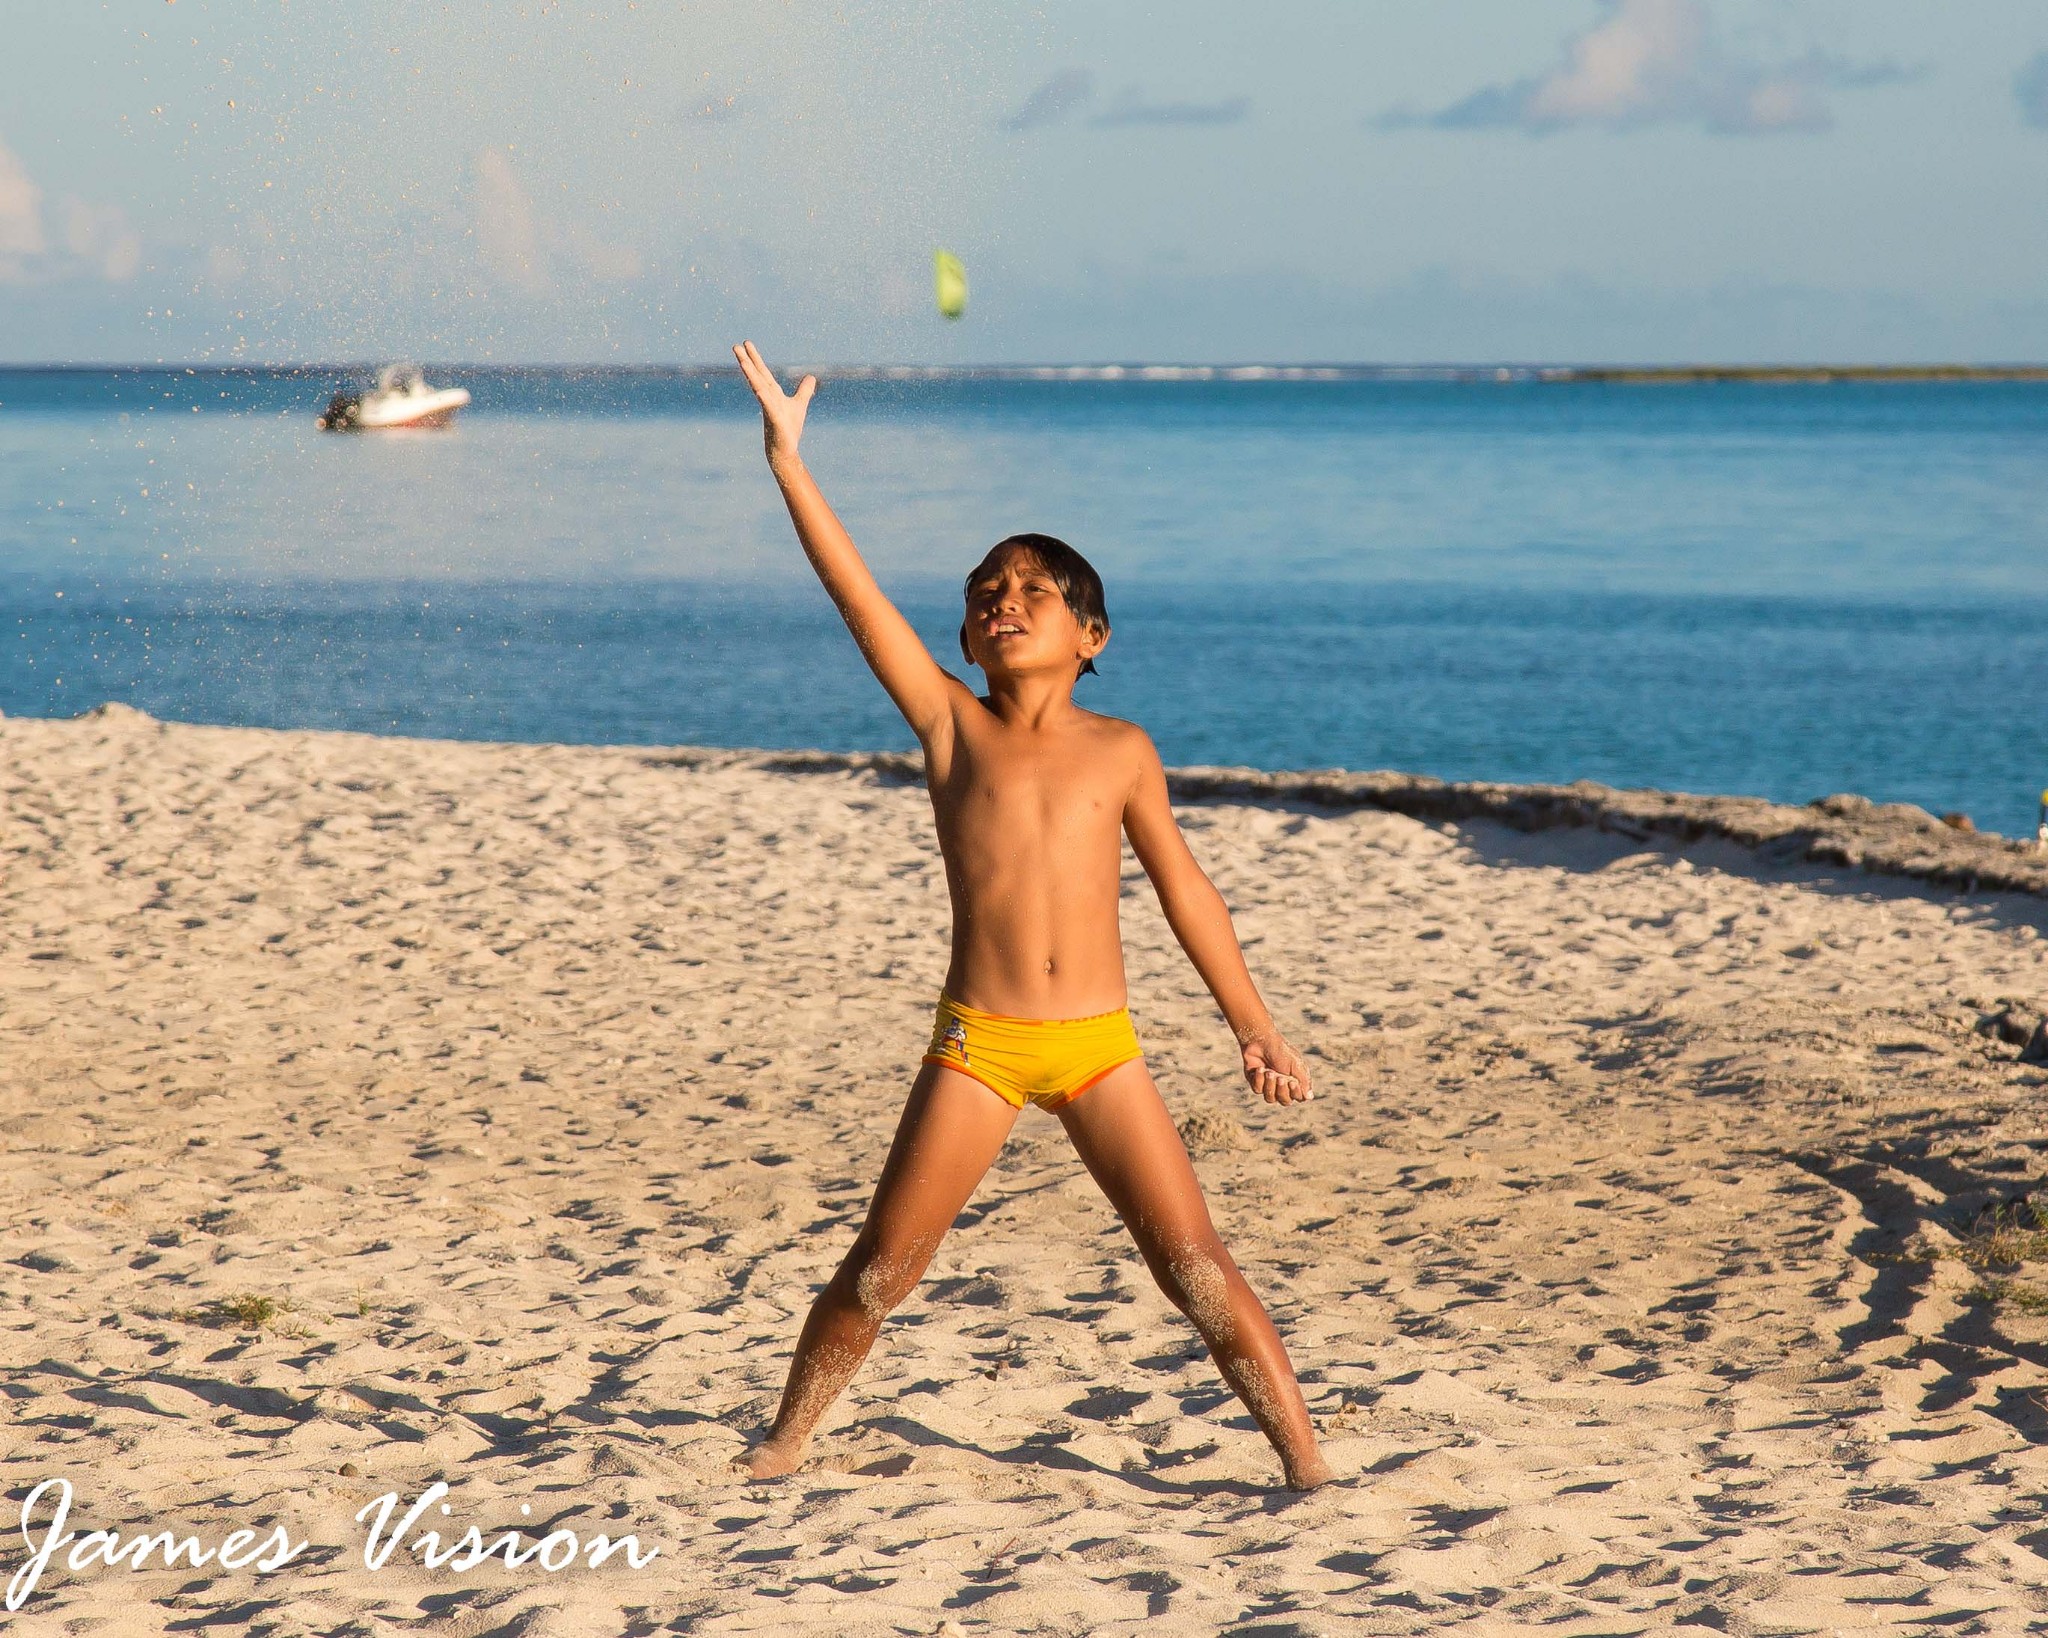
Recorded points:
(1075, 576)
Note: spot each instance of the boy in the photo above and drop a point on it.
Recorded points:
(1032, 795)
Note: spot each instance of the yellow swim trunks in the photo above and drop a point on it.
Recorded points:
(1046, 1061)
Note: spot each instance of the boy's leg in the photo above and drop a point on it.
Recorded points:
(1128, 1142)
(952, 1128)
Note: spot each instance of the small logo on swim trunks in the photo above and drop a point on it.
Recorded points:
(955, 1037)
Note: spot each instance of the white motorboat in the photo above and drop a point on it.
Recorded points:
(401, 398)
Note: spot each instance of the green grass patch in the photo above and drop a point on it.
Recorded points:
(2007, 1236)
(249, 1311)
(2008, 1294)
(2005, 1239)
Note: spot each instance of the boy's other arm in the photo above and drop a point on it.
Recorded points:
(1201, 922)
(893, 650)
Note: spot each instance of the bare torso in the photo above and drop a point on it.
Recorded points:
(1030, 822)
(1032, 795)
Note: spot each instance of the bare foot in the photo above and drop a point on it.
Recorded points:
(1309, 1474)
(770, 1459)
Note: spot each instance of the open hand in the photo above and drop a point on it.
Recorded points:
(1275, 1070)
(782, 413)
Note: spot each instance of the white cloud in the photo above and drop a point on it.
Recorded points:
(94, 241)
(507, 235)
(523, 250)
(1652, 62)
(21, 217)
(99, 236)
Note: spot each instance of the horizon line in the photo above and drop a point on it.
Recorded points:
(1133, 370)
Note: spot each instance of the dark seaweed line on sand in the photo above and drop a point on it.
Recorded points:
(1840, 832)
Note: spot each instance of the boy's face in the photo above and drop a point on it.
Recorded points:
(1018, 621)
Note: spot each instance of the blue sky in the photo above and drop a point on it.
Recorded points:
(1380, 180)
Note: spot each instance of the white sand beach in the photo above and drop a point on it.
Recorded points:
(1625, 1254)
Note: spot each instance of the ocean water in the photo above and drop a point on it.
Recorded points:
(1784, 590)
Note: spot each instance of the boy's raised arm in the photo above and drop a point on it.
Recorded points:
(893, 650)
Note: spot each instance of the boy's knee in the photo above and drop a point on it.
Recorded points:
(1196, 1279)
(882, 1276)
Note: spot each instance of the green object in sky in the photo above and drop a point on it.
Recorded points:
(949, 279)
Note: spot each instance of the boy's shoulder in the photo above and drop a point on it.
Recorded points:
(1119, 737)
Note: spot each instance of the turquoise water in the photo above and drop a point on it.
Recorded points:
(1784, 590)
